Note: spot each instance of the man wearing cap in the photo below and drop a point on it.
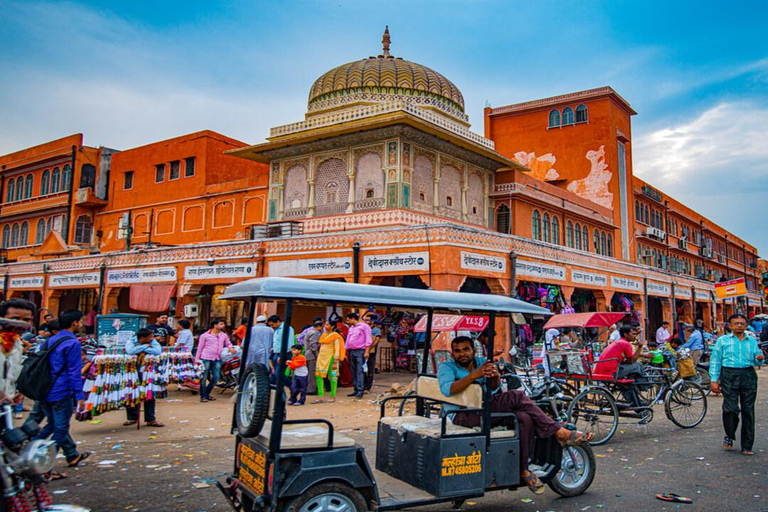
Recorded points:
(261, 342)
(695, 342)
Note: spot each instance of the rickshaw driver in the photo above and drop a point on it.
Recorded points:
(456, 375)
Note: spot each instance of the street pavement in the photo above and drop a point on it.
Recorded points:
(174, 468)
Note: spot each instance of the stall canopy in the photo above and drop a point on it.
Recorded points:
(584, 320)
(151, 298)
(443, 323)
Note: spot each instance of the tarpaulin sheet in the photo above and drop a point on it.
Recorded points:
(151, 298)
(584, 320)
(443, 323)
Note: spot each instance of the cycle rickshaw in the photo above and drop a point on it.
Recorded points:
(304, 465)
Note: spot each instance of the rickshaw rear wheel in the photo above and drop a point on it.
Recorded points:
(577, 470)
(328, 497)
(253, 401)
(594, 411)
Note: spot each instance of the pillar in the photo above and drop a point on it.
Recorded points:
(436, 196)
(567, 292)
(666, 310)
(311, 199)
(603, 298)
(351, 195)
(51, 301)
(445, 282)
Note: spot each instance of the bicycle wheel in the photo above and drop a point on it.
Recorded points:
(594, 410)
(686, 404)
(704, 380)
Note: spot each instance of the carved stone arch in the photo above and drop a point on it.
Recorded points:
(296, 190)
(423, 183)
(369, 177)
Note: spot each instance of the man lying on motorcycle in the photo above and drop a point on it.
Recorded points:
(456, 375)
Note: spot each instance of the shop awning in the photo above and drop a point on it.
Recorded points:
(584, 320)
(151, 298)
(443, 323)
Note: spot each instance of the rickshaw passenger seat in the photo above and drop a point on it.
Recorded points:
(296, 437)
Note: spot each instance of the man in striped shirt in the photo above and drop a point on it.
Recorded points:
(732, 371)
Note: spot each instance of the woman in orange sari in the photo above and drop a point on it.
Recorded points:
(331, 353)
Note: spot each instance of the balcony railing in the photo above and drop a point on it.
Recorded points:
(330, 209)
(372, 203)
(295, 213)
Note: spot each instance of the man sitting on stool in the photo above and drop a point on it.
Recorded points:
(456, 375)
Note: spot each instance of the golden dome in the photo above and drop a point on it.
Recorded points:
(386, 75)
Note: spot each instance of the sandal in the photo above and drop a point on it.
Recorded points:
(675, 498)
(747, 452)
(129, 423)
(577, 438)
(77, 460)
(211, 399)
(55, 475)
(728, 443)
(155, 424)
(203, 400)
(534, 484)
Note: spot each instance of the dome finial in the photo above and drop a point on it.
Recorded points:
(385, 42)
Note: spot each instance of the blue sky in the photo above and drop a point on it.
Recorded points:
(130, 73)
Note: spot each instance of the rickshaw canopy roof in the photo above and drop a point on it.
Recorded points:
(444, 323)
(314, 290)
(584, 320)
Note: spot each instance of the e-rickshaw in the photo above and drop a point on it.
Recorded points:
(304, 465)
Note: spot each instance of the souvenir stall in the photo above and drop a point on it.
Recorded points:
(548, 296)
(622, 303)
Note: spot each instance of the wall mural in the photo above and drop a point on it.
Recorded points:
(595, 186)
(542, 167)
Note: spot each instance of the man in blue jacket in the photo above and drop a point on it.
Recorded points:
(66, 368)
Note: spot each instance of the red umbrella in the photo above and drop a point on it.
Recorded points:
(584, 320)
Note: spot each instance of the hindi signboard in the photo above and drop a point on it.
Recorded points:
(543, 270)
(26, 283)
(310, 267)
(221, 271)
(483, 262)
(141, 275)
(659, 289)
(626, 283)
(730, 289)
(81, 279)
(404, 262)
(589, 278)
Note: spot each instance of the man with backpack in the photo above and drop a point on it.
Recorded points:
(65, 366)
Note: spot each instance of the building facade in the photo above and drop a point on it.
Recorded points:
(383, 182)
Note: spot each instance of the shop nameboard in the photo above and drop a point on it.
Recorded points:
(483, 262)
(81, 279)
(661, 289)
(33, 282)
(728, 289)
(625, 283)
(141, 275)
(543, 270)
(590, 278)
(396, 262)
(683, 292)
(310, 267)
(702, 295)
(221, 271)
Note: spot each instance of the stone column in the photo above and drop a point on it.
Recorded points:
(436, 190)
(311, 199)
(464, 203)
(351, 195)
(666, 310)
(567, 292)
(603, 298)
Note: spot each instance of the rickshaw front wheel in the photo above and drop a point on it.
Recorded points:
(577, 470)
(328, 497)
(253, 400)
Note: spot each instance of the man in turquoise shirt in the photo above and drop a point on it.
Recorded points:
(732, 369)
(465, 369)
(276, 323)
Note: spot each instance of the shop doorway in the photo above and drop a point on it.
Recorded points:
(83, 300)
(583, 301)
(475, 285)
(655, 314)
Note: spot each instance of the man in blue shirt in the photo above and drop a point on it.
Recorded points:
(695, 342)
(465, 369)
(732, 369)
(144, 345)
(276, 323)
(66, 367)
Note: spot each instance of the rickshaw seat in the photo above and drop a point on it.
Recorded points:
(606, 377)
(428, 386)
(297, 437)
(423, 426)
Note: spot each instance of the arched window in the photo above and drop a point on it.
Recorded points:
(10, 194)
(66, 178)
(88, 174)
(40, 232)
(49, 225)
(578, 236)
(24, 236)
(545, 227)
(596, 241)
(28, 186)
(45, 182)
(536, 225)
(582, 116)
(609, 246)
(6, 236)
(637, 211)
(569, 234)
(55, 180)
(20, 188)
(645, 214)
(603, 247)
(554, 118)
(567, 116)
(83, 229)
(503, 219)
(584, 239)
(15, 235)
(555, 230)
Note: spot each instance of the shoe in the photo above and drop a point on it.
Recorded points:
(291, 403)
(353, 394)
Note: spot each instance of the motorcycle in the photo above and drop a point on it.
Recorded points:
(230, 370)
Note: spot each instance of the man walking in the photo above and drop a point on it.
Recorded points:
(144, 345)
(209, 350)
(311, 350)
(732, 371)
(695, 342)
(66, 368)
(359, 341)
(276, 323)
(375, 337)
(260, 346)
